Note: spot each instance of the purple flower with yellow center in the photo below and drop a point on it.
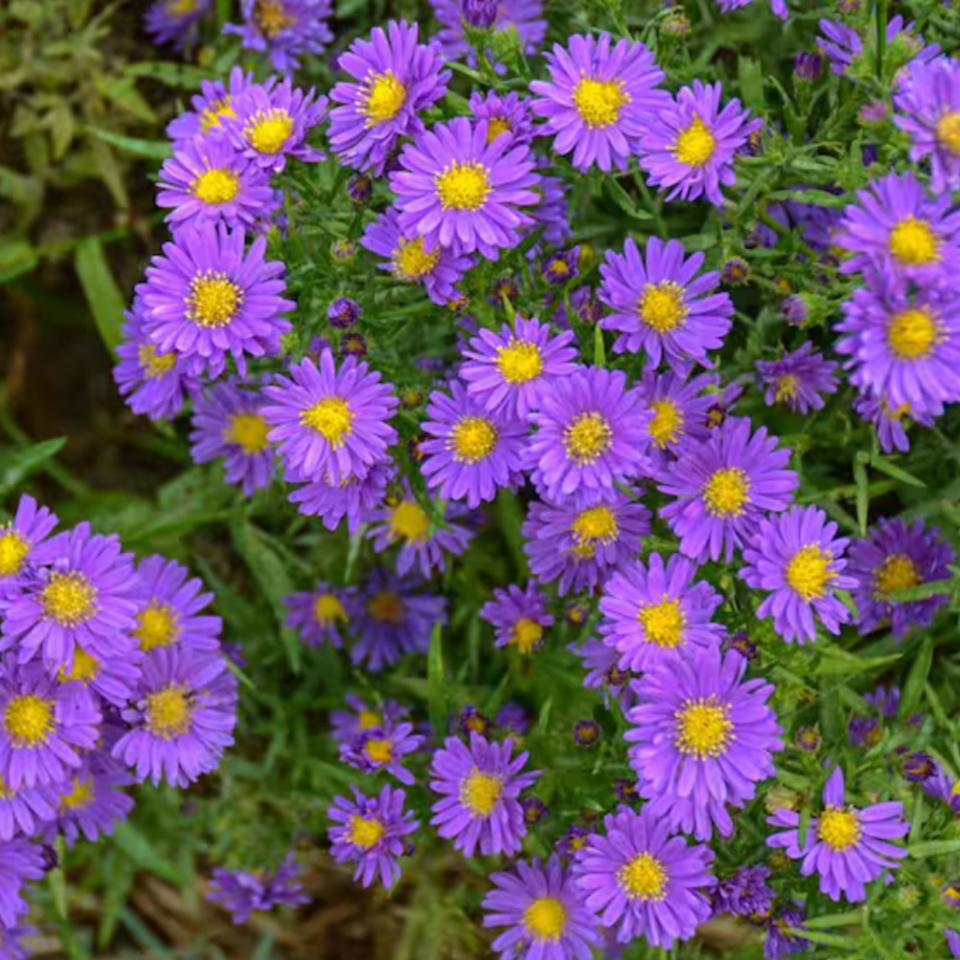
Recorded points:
(85, 598)
(371, 832)
(573, 841)
(918, 767)
(591, 433)
(469, 453)
(20, 860)
(285, 30)
(846, 846)
(744, 894)
(561, 266)
(228, 425)
(780, 943)
(471, 719)
(330, 424)
(896, 230)
(661, 306)
(543, 909)
(353, 345)
(210, 107)
(208, 298)
(943, 786)
(92, 800)
(896, 556)
(889, 421)
(798, 379)
(779, 7)
(456, 189)
(25, 543)
(320, 615)
(581, 540)
(722, 488)
(348, 724)
(114, 678)
(383, 748)
(798, 559)
(353, 498)
(24, 811)
(508, 371)
(480, 787)
(600, 662)
(409, 261)
(586, 733)
(519, 617)
(343, 313)
(599, 99)
(395, 79)
(839, 44)
(638, 878)
(651, 612)
(175, 22)
(808, 739)
(525, 16)
(392, 617)
(689, 148)
(505, 113)
(679, 409)
(703, 737)
(242, 891)
(183, 719)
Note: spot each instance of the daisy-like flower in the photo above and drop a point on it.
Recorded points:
(285, 30)
(479, 787)
(798, 379)
(551, 215)
(780, 942)
(456, 189)
(86, 597)
(543, 908)
(93, 799)
(895, 556)
(839, 43)
(723, 486)
(408, 260)
(653, 611)
(779, 7)
(320, 615)
(601, 664)
(524, 16)
(371, 832)
(889, 421)
(679, 409)
(228, 424)
(507, 113)
(25, 811)
(508, 372)
(20, 860)
(703, 737)
(798, 559)
(591, 433)
(646, 883)
(175, 22)
(580, 540)
(353, 498)
(469, 453)
(113, 678)
(383, 748)
(25, 543)
(210, 107)
(395, 78)
(845, 846)
(348, 724)
(744, 894)
(207, 298)
(184, 718)
(241, 891)
(896, 230)
(519, 617)
(599, 99)
(661, 306)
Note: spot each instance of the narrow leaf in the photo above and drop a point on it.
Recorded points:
(101, 291)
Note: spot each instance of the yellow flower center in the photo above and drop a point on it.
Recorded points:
(28, 719)
(69, 599)
(327, 610)
(643, 878)
(168, 712)
(661, 306)
(411, 261)
(587, 437)
(496, 126)
(839, 829)
(180, 7)
(269, 130)
(154, 364)
(600, 102)
(479, 792)
(592, 526)
(472, 439)
(695, 145)
(216, 185)
(896, 572)
(249, 431)
(666, 426)
(85, 667)
(463, 186)
(525, 635)
(213, 114)
(378, 750)
(385, 96)
(726, 492)
(809, 573)
(948, 131)
(365, 832)
(13, 551)
(271, 16)
(519, 361)
(6, 792)
(663, 623)
(912, 333)
(156, 626)
(787, 386)
(913, 243)
(213, 299)
(704, 727)
(546, 919)
(386, 607)
(367, 719)
(410, 521)
(81, 794)
(332, 418)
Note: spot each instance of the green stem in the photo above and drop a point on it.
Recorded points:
(880, 10)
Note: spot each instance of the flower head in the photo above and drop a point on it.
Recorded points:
(92, 799)
(348, 724)
(20, 860)
(519, 617)
(798, 379)
(744, 894)
(524, 16)
(25, 543)
(505, 114)
(890, 422)
(242, 891)
(25, 811)
(211, 107)
(320, 615)
(175, 22)
(383, 748)
(284, 29)
(354, 498)
(679, 410)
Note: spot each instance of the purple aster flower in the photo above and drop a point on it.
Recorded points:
(390, 618)
(943, 786)
(242, 891)
(469, 453)
(525, 16)
(583, 539)
(114, 678)
(744, 894)
(635, 876)
(513, 717)
(703, 737)
(175, 22)
(779, 7)
(846, 846)
(507, 113)
(508, 372)
(92, 801)
(285, 30)
(320, 615)
(798, 379)
(395, 78)
(551, 214)
(918, 767)
(723, 486)
(184, 718)
(519, 617)
(207, 298)
(25, 811)
(780, 943)
(586, 733)
(807, 66)
(383, 748)
(591, 432)
(343, 313)
(471, 719)
(600, 662)
(690, 148)
(953, 941)
(457, 190)
(353, 498)
(651, 612)
(600, 99)
(228, 424)
(895, 556)
(479, 787)
(661, 306)
(348, 724)
(679, 409)
(371, 831)
(25, 544)
(839, 44)
(20, 860)
(561, 266)
(544, 911)
(210, 107)
(330, 424)
(799, 559)
(573, 841)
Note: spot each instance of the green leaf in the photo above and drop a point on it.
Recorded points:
(143, 853)
(436, 682)
(863, 494)
(155, 149)
(923, 591)
(933, 848)
(122, 93)
(599, 348)
(624, 201)
(892, 470)
(827, 939)
(17, 466)
(750, 74)
(16, 257)
(101, 291)
(835, 920)
(917, 678)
